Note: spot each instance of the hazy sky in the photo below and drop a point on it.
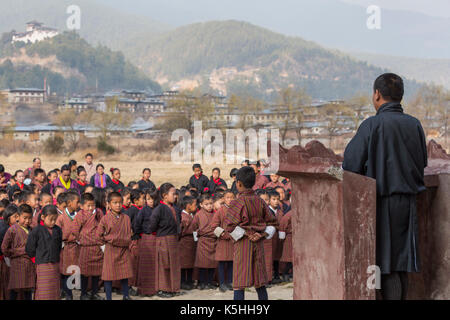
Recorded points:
(439, 8)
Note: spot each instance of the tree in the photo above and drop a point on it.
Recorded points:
(247, 107)
(109, 119)
(431, 106)
(178, 115)
(291, 105)
(358, 103)
(336, 116)
(67, 122)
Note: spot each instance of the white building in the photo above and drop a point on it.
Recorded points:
(26, 96)
(35, 32)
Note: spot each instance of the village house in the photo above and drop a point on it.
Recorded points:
(77, 104)
(26, 96)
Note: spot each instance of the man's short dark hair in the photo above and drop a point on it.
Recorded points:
(88, 155)
(38, 172)
(273, 194)
(390, 87)
(24, 195)
(247, 176)
(187, 200)
(196, 165)
(113, 195)
(87, 197)
(24, 208)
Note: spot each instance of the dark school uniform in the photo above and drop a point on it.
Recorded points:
(82, 186)
(200, 183)
(165, 221)
(234, 188)
(45, 245)
(146, 185)
(47, 188)
(391, 148)
(116, 185)
(12, 189)
(214, 184)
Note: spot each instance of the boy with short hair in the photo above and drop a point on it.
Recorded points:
(273, 261)
(198, 180)
(187, 255)
(248, 222)
(224, 247)
(71, 250)
(22, 275)
(39, 178)
(114, 230)
(206, 245)
(84, 227)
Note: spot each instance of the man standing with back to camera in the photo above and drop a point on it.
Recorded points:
(391, 148)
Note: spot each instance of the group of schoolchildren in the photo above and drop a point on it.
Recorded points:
(139, 239)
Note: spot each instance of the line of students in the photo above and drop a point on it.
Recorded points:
(154, 240)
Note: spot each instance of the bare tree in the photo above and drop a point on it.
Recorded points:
(336, 116)
(178, 115)
(109, 119)
(67, 121)
(291, 105)
(358, 103)
(430, 106)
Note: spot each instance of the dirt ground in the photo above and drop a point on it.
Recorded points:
(283, 291)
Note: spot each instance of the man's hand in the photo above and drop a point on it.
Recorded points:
(255, 237)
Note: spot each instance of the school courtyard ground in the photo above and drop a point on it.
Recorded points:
(283, 291)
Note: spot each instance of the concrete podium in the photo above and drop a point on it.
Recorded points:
(334, 226)
(433, 208)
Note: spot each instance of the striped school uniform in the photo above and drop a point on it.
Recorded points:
(206, 244)
(168, 263)
(133, 213)
(22, 273)
(84, 227)
(146, 280)
(286, 226)
(4, 279)
(277, 246)
(251, 213)
(224, 247)
(187, 255)
(70, 253)
(48, 285)
(115, 232)
(4, 269)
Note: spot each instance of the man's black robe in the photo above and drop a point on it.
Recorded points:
(391, 148)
